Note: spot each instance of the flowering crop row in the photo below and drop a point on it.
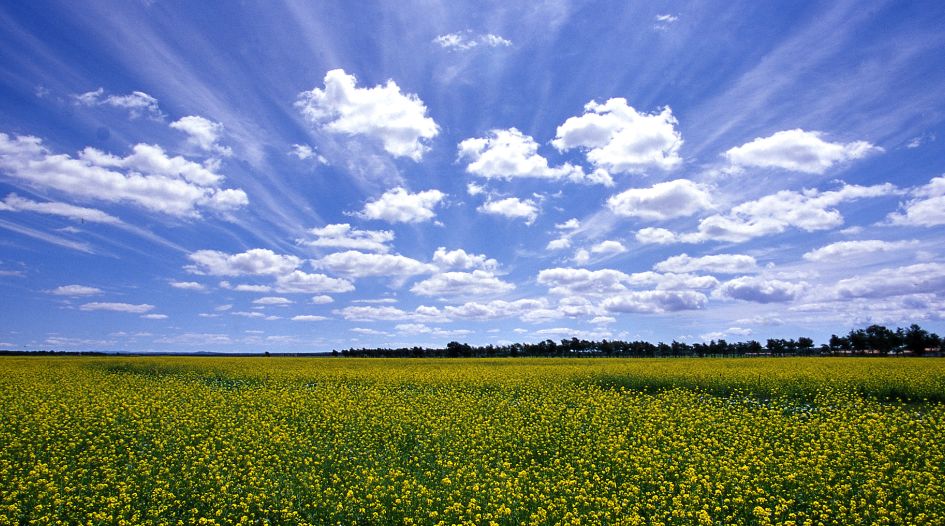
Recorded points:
(311, 441)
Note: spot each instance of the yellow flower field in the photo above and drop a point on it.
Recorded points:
(105, 440)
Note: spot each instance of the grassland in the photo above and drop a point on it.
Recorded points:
(505, 441)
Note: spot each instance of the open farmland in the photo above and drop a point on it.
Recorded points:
(506, 441)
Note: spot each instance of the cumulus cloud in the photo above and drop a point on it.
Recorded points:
(117, 307)
(512, 208)
(926, 208)
(301, 282)
(467, 40)
(257, 261)
(759, 289)
(672, 281)
(662, 201)
(360, 265)
(510, 154)
(383, 113)
(420, 328)
(656, 236)
(475, 283)
(304, 152)
(308, 317)
(344, 235)
(137, 103)
(717, 263)
(202, 133)
(75, 290)
(846, 249)
(272, 300)
(608, 247)
(928, 278)
(244, 287)
(460, 259)
(322, 299)
(187, 285)
(388, 313)
(797, 150)
(400, 206)
(154, 316)
(809, 210)
(619, 139)
(15, 203)
(147, 177)
(560, 243)
(655, 301)
(580, 281)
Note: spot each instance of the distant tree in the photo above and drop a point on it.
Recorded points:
(882, 339)
(916, 339)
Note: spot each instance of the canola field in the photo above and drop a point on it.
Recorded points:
(106, 440)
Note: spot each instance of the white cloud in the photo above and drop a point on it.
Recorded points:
(475, 283)
(187, 285)
(460, 259)
(152, 180)
(137, 102)
(420, 328)
(245, 287)
(570, 224)
(474, 189)
(666, 19)
(608, 247)
(467, 40)
(202, 133)
(15, 203)
(619, 139)
(245, 314)
(655, 301)
(717, 263)
(154, 316)
(383, 113)
(559, 244)
(662, 201)
(400, 206)
(272, 300)
(797, 150)
(921, 278)
(359, 265)
(308, 317)
(257, 261)
(845, 249)
(672, 281)
(305, 283)
(761, 290)
(522, 309)
(322, 299)
(372, 332)
(75, 290)
(510, 154)
(603, 320)
(387, 313)
(512, 208)
(655, 236)
(581, 282)
(582, 256)
(117, 307)
(344, 236)
(926, 208)
(809, 210)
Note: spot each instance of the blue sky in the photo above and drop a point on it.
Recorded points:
(308, 176)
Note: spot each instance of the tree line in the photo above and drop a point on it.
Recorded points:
(875, 340)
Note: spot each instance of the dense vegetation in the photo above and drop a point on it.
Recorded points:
(875, 339)
(106, 440)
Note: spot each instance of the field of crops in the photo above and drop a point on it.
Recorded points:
(505, 441)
